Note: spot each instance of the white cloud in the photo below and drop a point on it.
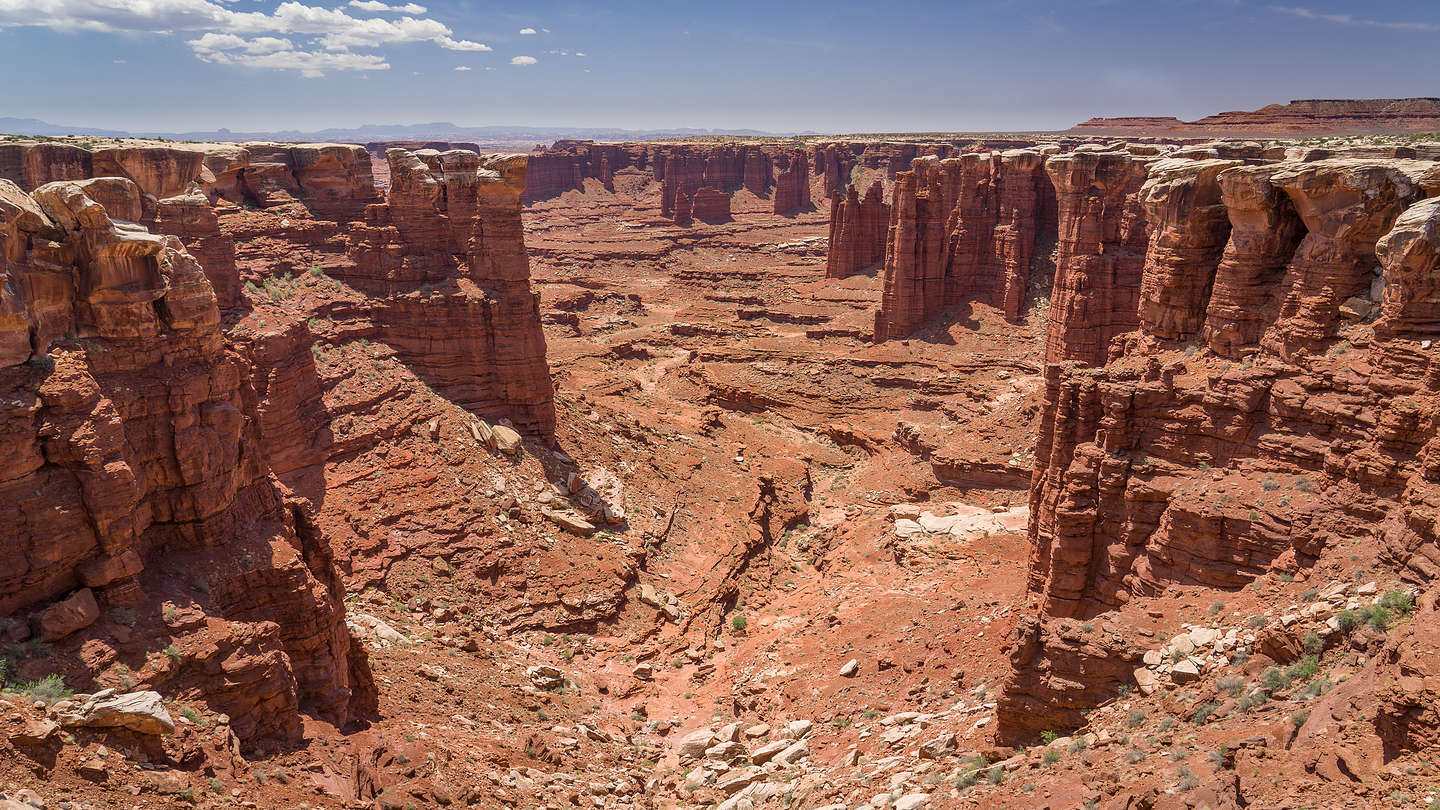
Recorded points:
(523, 60)
(461, 67)
(379, 8)
(329, 35)
(1347, 19)
(230, 42)
(527, 31)
(310, 64)
(579, 53)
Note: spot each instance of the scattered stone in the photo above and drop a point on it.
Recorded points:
(1185, 671)
(938, 747)
(695, 743)
(768, 751)
(793, 754)
(850, 668)
(569, 520)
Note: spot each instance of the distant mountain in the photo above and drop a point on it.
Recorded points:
(437, 131)
(1303, 117)
(34, 126)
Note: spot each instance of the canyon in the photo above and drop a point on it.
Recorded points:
(1063, 471)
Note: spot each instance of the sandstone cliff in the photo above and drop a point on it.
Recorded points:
(965, 228)
(857, 231)
(1240, 377)
(132, 439)
(177, 440)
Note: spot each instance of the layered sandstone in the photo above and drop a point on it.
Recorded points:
(962, 229)
(146, 432)
(1160, 460)
(857, 231)
(132, 438)
(792, 182)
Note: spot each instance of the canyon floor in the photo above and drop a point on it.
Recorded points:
(808, 594)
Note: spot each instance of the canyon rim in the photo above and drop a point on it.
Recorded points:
(1092, 465)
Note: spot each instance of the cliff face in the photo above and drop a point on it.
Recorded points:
(779, 172)
(964, 228)
(857, 231)
(132, 438)
(169, 436)
(1240, 376)
(447, 248)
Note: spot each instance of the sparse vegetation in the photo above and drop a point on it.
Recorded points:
(46, 690)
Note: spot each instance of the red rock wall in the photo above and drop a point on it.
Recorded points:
(1163, 460)
(792, 183)
(962, 229)
(132, 438)
(857, 231)
(447, 248)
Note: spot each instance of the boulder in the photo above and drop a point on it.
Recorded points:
(76, 612)
(507, 440)
(141, 712)
(695, 743)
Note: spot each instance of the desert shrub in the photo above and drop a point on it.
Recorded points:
(1399, 603)
(46, 690)
(738, 622)
(1136, 718)
(1231, 684)
(1348, 620)
(1134, 756)
(1312, 642)
(1051, 756)
(1188, 780)
(1048, 737)
(1304, 669)
(1377, 616)
(1203, 712)
(1274, 679)
(1253, 700)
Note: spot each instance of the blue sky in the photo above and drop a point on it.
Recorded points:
(835, 67)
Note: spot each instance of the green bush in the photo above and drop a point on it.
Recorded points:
(1348, 620)
(1231, 684)
(738, 622)
(1398, 602)
(1274, 679)
(1136, 718)
(1304, 669)
(1203, 712)
(1048, 737)
(47, 690)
